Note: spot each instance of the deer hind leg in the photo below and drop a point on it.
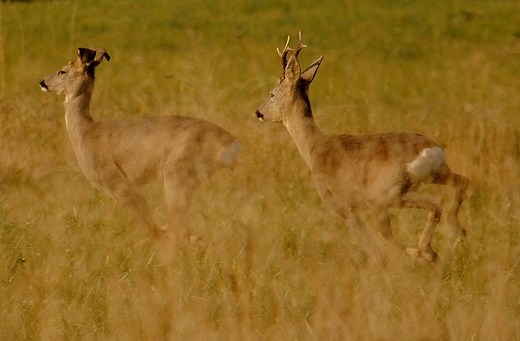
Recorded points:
(180, 183)
(433, 205)
(460, 183)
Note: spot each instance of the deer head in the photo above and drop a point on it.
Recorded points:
(73, 77)
(291, 88)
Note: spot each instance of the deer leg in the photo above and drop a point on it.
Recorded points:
(355, 223)
(338, 205)
(342, 208)
(460, 183)
(179, 203)
(132, 198)
(434, 206)
(180, 183)
(383, 219)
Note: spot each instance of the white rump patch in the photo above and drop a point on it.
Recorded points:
(426, 163)
(229, 155)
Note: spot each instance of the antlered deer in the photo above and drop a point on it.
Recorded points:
(121, 155)
(357, 172)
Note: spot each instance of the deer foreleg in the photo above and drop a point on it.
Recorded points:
(131, 197)
(383, 219)
(351, 218)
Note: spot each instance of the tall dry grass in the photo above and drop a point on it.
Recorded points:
(280, 265)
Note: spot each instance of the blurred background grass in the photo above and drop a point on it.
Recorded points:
(280, 265)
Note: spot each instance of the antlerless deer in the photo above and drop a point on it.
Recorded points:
(121, 155)
(353, 173)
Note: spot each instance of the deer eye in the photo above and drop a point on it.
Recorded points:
(62, 72)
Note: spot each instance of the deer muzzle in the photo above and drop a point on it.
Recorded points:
(259, 115)
(44, 86)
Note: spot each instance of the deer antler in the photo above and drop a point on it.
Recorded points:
(287, 49)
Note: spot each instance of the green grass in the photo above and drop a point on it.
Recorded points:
(280, 266)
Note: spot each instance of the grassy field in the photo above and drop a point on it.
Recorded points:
(280, 265)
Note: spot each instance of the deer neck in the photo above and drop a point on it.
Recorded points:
(77, 115)
(303, 129)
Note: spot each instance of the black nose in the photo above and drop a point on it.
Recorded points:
(259, 115)
(42, 84)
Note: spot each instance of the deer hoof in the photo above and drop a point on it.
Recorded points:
(413, 252)
(419, 254)
(198, 241)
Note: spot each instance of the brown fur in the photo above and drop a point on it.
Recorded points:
(353, 173)
(121, 155)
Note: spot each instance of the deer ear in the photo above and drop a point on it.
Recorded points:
(92, 57)
(100, 53)
(310, 72)
(293, 70)
(86, 55)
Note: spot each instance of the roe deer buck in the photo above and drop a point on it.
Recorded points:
(352, 173)
(122, 155)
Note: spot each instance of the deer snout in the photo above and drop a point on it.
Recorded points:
(44, 86)
(259, 115)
